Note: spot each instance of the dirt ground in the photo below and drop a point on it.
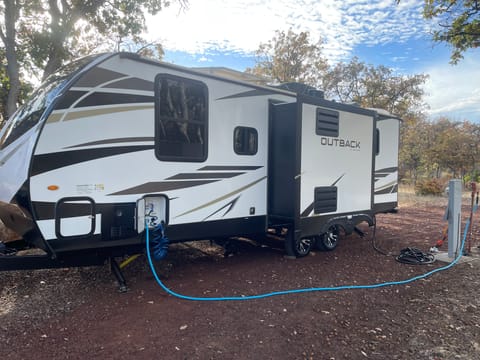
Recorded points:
(78, 313)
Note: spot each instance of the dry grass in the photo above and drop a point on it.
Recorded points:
(408, 198)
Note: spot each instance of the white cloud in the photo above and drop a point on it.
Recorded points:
(204, 59)
(239, 26)
(454, 90)
(242, 25)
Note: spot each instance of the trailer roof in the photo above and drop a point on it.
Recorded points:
(196, 72)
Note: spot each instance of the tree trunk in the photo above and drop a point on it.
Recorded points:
(61, 25)
(53, 63)
(9, 39)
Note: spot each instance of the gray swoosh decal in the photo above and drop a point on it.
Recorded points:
(114, 141)
(205, 175)
(221, 198)
(160, 186)
(229, 206)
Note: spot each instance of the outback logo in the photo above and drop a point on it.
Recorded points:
(351, 144)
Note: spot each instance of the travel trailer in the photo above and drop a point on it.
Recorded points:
(113, 142)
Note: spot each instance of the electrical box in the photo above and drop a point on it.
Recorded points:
(151, 210)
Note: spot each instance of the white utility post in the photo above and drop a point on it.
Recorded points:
(454, 216)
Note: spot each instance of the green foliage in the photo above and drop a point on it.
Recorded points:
(429, 187)
(469, 178)
(290, 57)
(431, 148)
(415, 140)
(61, 31)
(459, 24)
(25, 88)
(41, 35)
(375, 86)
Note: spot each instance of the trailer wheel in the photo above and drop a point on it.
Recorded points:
(328, 241)
(297, 247)
(303, 246)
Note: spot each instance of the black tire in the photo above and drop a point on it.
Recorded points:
(328, 241)
(303, 246)
(296, 247)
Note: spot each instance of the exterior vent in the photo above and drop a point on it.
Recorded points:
(327, 122)
(325, 199)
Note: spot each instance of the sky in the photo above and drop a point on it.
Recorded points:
(379, 32)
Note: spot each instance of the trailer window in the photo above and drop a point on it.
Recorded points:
(377, 142)
(180, 119)
(327, 122)
(245, 140)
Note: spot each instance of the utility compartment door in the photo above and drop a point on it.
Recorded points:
(75, 217)
(336, 159)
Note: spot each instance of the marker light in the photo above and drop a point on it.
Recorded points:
(53, 187)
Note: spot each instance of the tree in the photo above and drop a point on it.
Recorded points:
(8, 35)
(375, 86)
(453, 144)
(459, 23)
(415, 141)
(438, 147)
(343, 82)
(289, 57)
(25, 88)
(55, 31)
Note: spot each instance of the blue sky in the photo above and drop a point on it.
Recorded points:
(379, 32)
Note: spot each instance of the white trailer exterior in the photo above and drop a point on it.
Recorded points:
(386, 161)
(113, 139)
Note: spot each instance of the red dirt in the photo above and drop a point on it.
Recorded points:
(78, 314)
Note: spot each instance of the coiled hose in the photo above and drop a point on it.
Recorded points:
(160, 242)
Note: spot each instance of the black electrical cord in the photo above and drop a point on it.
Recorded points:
(414, 256)
(409, 255)
(374, 237)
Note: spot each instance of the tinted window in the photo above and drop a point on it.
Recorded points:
(181, 119)
(245, 140)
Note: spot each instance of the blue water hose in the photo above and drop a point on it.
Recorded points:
(159, 242)
(303, 290)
